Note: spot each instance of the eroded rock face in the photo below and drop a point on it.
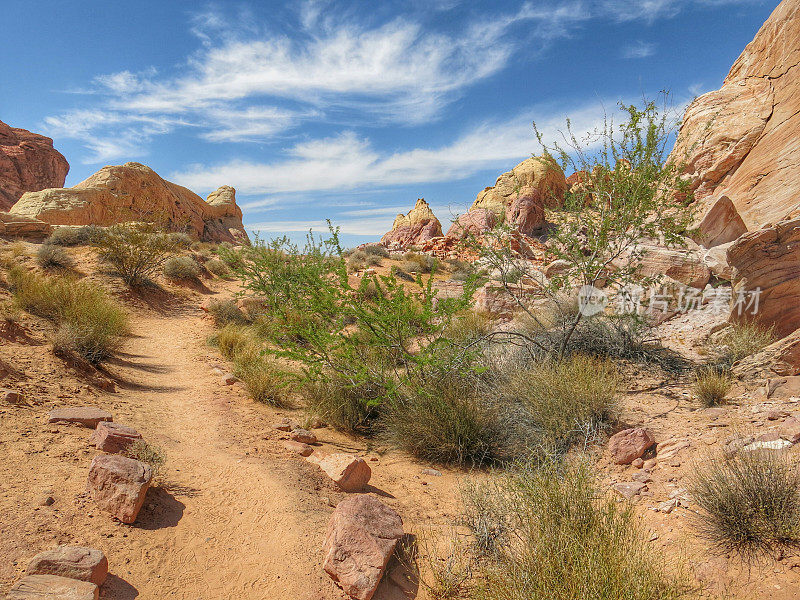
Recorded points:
(769, 260)
(118, 485)
(52, 587)
(361, 538)
(28, 163)
(134, 192)
(541, 174)
(23, 227)
(75, 562)
(474, 222)
(742, 140)
(720, 224)
(414, 228)
(683, 265)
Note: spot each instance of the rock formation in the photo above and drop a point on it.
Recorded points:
(540, 175)
(720, 224)
(412, 229)
(134, 192)
(767, 262)
(28, 163)
(742, 140)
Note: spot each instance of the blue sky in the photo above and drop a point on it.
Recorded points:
(346, 110)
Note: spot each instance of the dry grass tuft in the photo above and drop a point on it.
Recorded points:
(711, 386)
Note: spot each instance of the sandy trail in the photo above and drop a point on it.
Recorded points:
(223, 525)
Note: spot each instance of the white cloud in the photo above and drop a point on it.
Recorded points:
(639, 49)
(350, 162)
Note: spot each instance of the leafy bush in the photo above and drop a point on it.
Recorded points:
(742, 340)
(182, 267)
(226, 312)
(53, 257)
(749, 502)
(135, 250)
(567, 400)
(218, 267)
(550, 533)
(150, 455)
(74, 236)
(89, 323)
(349, 407)
(711, 386)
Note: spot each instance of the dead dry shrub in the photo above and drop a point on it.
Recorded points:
(182, 268)
(50, 256)
(740, 341)
(711, 385)
(150, 455)
(217, 267)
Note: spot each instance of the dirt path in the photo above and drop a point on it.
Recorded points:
(224, 525)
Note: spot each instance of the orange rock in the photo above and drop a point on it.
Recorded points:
(88, 416)
(741, 140)
(118, 485)
(361, 538)
(720, 224)
(52, 587)
(349, 472)
(630, 444)
(75, 562)
(113, 437)
(414, 228)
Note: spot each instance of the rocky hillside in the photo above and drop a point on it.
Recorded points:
(28, 163)
(742, 140)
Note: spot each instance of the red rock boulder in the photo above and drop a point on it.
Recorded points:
(630, 444)
(88, 416)
(720, 224)
(113, 437)
(75, 562)
(52, 587)
(118, 485)
(414, 228)
(474, 222)
(28, 163)
(361, 538)
(349, 472)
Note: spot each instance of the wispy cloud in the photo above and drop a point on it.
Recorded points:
(638, 49)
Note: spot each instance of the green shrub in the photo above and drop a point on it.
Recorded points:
(88, 322)
(742, 340)
(232, 340)
(568, 400)
(217, 267)
(74, 236)
(343, 405)
(357, 261)
(135, 250)
(550, 533)
(376, 250)
(711, 386)
(181, 240)
(182, 268)
(226, 312)
(449, 421)
(53, 257)
(150, 455)
(749, 502)
(423, 262)
(264, 380)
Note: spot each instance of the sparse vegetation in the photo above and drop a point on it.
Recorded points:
(376, 250)
(74, 236)
(226, 312)
(150, 455)
(741, 340)
(568, 401)
(53, 257)
(232, 339)
(217, 267)
(711, 386)
(88, 322)
(182, 268)
(181, 240)
(264, 379)
(550, 533)
(749, 502)
(136, 250)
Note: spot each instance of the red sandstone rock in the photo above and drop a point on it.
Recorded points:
(630, 444)
(88, 416)
(414, 228)
(303, 436)
(52, 587)
(362, 535)
(118, 485)
(113, 437)
(298, 447)
(75, 562)
(28, 163)
(720, 224)
(349, 472)
(474, 222)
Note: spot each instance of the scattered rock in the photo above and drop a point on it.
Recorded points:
(361, 538)
(10, 396)
(782, 388)
(638, 463)
(779, 358)
(88, 416)
(303, 436)
(779, 444)
(46, 500)
(52, 587)
(670, 448)
(630, 489)
(285, 424)
(642, 476)
(668, 506)
(630, 444)
(298, 447)
(432, 472)
(75, 562)
(349, 472)
(228, 379)
(119, 485)
(790, 429)
(113, 437)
